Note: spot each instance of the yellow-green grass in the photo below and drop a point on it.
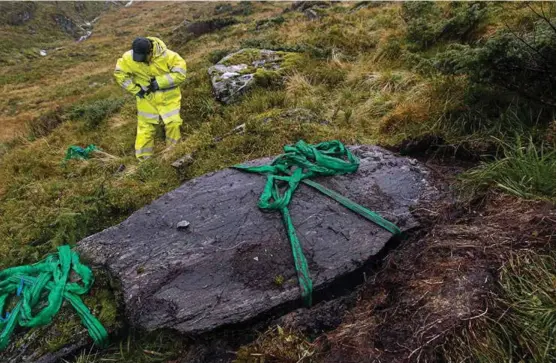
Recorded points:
(355, 75)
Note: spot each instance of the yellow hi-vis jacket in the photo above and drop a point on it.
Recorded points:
(169, 69)
(166, 66)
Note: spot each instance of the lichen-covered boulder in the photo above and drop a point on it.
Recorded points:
(233, 75)
(233, 262)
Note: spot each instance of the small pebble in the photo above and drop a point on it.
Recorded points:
(183, 224)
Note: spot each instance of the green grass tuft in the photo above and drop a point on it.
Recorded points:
(525, 170)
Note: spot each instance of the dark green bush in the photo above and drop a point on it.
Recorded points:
(464, 19)
(265, 23)
(522, 63)
(93, 113)
(422, 18)
(216, 55)
(427, 24)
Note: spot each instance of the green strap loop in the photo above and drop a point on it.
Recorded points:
(49, 278)
(299, 163)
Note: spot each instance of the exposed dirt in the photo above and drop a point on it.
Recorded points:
(435, 283)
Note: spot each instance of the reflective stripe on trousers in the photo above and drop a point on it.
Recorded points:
(148, 115)
(145, 150)
(170, 114)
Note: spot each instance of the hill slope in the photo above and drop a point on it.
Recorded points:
(450, 80)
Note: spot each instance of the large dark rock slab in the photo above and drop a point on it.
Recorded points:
(233, 262)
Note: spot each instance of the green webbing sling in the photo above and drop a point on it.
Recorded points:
(48, 278)
(77, 152)
(299, 163)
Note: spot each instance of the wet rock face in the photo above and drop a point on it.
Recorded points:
(233, 75)
(67, 25)
(233, 263)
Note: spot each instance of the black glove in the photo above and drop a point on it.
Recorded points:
(141, 94)
(153, 85)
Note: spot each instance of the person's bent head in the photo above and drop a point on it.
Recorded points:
(141, 48)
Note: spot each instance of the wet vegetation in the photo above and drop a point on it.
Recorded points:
(463, 80)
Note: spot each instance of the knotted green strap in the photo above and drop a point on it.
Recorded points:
(46, 279)
(77, 152)
(299, 163)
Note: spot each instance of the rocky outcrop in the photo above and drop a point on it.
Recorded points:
(78, 31)
(233, 262)
(236, 73)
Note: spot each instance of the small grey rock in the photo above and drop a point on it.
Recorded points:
(311, 14)
(183, 224)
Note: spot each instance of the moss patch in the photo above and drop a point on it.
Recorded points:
(245, 56)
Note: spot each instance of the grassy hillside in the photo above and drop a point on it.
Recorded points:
(454, 81)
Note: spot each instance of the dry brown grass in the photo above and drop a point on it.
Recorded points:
(298, 85)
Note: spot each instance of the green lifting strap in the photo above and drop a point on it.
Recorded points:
(46, 279)
(299, 163)
(77, 152)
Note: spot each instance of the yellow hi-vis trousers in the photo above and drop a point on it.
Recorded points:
(164, 104)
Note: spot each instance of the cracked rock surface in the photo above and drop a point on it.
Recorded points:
(233, 263)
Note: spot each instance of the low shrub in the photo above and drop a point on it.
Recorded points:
(92, 113)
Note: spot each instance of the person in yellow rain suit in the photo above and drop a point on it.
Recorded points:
(153, 74)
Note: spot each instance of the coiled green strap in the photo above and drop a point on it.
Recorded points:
(48, 279)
